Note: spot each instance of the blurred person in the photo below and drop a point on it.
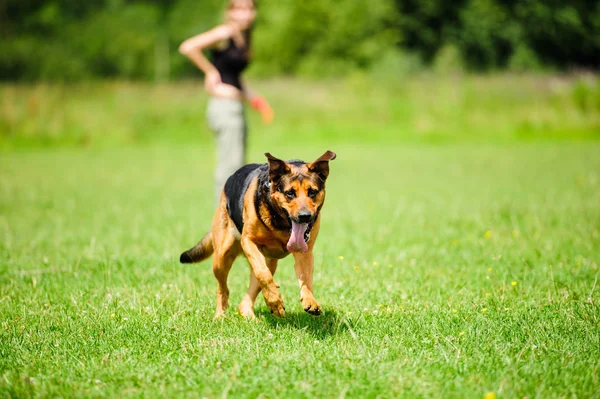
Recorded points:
(229, 45)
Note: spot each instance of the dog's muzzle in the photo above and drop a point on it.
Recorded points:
(304, 217)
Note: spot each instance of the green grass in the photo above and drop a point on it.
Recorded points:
(422, 109)
(420, 244)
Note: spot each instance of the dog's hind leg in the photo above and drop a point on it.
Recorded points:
(227, 248)
(222, 262)
(246, 307)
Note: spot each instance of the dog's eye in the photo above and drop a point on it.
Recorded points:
(312, 193)
(291, 194)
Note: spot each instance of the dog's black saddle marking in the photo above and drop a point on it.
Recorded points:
(236, 187)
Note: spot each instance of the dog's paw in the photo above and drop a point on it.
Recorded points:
(274, 301)
(277, 308)
(219, 315)
(246, 311)
(311, 306)
(275, 305)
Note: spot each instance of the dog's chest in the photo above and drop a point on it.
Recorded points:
(274, 248)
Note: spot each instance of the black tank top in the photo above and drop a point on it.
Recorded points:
(232, 60)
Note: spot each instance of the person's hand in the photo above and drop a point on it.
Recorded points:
(261, 105)
(212, 80)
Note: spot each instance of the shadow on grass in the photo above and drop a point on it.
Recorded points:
(328, 324)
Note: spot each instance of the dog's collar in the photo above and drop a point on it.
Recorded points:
(310, 226)
(307, 232)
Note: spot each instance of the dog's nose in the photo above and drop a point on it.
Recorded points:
(304, 216)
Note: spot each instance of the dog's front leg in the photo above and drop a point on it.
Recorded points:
(264, 276)
(304, 267)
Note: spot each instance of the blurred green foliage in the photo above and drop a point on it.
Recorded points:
(427, 108)
(73, 39)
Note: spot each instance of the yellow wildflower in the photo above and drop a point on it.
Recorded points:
(487, 234)
(513, 283)
(340, 257)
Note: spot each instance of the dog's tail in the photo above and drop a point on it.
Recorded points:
(200, 251)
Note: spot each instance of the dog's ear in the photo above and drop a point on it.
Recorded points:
(321, 165)
(277, 167)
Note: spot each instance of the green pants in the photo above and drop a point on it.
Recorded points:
(226, 118)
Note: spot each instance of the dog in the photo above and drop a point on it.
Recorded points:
(267, 211)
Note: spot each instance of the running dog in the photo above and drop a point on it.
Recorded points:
(267, 211)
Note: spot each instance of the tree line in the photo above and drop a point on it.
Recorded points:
(72, 40)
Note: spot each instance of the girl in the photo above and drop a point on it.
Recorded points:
(230, 48)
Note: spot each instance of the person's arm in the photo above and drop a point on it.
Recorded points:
(247, 92)
(259, 103)
(192, 49)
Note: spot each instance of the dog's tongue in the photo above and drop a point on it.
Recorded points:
(296, 242)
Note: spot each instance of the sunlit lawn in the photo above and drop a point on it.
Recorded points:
(446, 268)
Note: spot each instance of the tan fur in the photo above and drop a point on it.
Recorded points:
(263, 245)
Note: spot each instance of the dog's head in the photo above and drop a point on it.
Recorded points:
(299, 189)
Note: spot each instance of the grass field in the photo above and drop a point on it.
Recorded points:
(449, 264)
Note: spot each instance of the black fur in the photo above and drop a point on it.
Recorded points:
(235, 188)
(237, 185)
(185, 258)
(263, 196)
